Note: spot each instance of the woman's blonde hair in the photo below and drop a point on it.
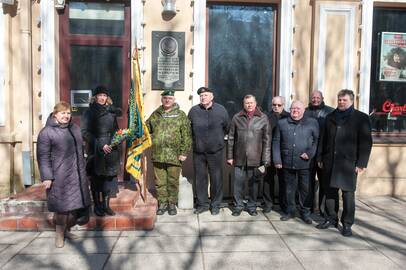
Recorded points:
(61, 106)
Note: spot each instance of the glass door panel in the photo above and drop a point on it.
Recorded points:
(241, 54)
(97, 65)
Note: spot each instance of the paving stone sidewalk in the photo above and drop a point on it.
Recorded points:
(188, 241)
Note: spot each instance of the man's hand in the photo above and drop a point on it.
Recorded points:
(182, 158)
(360, 170)
(278, 166)
(230, 162)
(107, 149)
(47, 183)
(320, 164)
(304, 156)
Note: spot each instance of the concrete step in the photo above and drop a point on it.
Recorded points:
(28, 211)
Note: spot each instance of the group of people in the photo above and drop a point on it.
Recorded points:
(294, 147)
(304, 148)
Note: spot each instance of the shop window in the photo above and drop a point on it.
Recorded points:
(241, 41)
(388, 73)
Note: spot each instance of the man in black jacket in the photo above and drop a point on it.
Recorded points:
(209, 127)
(249, 152)
(293, 147)
(318, 110)
(278, 112)
(344, 150)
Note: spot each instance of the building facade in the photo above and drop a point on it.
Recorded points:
(54, 50)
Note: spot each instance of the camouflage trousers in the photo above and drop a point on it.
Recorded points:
(166, 182)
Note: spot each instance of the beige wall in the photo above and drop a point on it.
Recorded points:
(180, 23)
(302, 44)
(385, 174)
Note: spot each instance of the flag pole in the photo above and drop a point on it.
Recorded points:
(145, 177)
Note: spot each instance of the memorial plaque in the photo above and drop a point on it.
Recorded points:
(168, 60)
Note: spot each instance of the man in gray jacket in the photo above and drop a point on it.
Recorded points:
(293, 146)
(249, 152)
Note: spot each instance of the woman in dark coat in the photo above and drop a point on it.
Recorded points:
(99, 123)
(62, 168)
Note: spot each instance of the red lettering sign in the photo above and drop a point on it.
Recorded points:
(393, 109)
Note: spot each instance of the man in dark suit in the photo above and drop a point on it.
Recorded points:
(344, 151)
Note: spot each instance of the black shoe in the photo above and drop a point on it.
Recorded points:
(215, 211)
(200, 210)
(236, 212)
(252, 212)
(326, 224)
(307, 220)
(106, 205)
(266, 209)
(98, 211)
(346, 231)
(172, 209)
(98, 206)
(161, 209)
(286, 217)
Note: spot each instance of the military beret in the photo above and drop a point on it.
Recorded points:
(168, 92)
(101, 89)
(203, 90)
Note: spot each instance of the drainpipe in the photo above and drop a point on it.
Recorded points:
(26, 84)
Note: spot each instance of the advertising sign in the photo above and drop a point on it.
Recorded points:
(392, 60)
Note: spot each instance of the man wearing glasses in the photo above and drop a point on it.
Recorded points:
(278, 112)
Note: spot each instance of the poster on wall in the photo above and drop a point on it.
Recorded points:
(393, 57)
(168, 60)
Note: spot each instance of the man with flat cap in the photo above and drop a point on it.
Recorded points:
(171, 141)
(210, 124)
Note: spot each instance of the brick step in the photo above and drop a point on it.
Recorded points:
(28, 211)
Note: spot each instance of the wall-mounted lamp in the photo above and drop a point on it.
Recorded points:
(59, 4)
(169, 8)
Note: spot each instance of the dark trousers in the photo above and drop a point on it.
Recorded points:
(213, 164)
(269, 187)
(332, 200)
(297, 180)
(314, 187)
(98, 183)
(240, 175)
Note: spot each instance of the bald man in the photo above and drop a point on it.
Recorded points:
(318, 110)
(293, 146)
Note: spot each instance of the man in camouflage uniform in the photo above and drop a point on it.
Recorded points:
(171, 141)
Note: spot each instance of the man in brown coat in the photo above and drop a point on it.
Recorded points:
(249, 153)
